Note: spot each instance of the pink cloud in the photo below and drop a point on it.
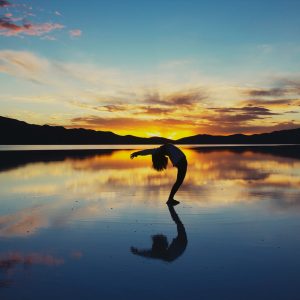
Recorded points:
(18, 20)
(9, 28)
(75, 33)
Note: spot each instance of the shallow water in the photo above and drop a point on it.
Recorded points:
(96, 226)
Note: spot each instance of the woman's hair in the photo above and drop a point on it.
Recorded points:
(159, 244)
(159, 161)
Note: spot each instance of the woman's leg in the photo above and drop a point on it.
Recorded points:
(182, 167)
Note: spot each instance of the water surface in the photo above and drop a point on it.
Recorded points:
(95, 225)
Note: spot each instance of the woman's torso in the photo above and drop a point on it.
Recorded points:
(174, 153)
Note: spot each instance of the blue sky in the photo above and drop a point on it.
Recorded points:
(127, 52)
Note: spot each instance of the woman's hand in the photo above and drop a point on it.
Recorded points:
(133, 155)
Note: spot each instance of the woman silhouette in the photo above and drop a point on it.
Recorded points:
(160, 161)
(161, 249)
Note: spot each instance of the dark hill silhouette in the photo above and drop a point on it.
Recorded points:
(291, 136)
(14, 132)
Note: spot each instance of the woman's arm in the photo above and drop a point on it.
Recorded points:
(142, 153)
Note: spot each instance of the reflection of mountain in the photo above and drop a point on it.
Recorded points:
(289, 151)
(14, 159)
(18, 132)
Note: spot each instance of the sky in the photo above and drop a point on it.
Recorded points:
(169, 68)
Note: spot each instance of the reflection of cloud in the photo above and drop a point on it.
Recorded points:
(89, 187)
(76, 254)
(35, 189)
(5, 283)
(22, 223)
(11, 259)
(4, 3)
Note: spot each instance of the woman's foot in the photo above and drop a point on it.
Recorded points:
(172, 202)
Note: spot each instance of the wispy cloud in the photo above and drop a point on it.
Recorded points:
(10, 28)
(75, 33)
(23, 64)
(110, 99)
(279, 103)
(181, 98)
(267, 92)
(19, 21)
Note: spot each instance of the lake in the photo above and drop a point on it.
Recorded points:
(93, 224)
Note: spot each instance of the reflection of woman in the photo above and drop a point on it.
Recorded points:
(160, 162)
(160, 246)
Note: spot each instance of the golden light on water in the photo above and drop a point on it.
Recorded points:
(89, 187)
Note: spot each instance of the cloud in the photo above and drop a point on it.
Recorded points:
(255, 110)
(286, 86)
(240, 114)
(23, 64)
(105, 123)
(209, 122)
(58, 74)
(272, 102)
(235, 127)
(102, 99)
(149, 110)
(10, 28)
(19, 21)
(75, 33)
(49, 38)
(180, 98)
(292, 85)
(274, 92)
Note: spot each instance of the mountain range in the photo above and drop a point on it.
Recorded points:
(15, 132)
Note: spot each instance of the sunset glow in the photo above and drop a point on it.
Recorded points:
(152, 68)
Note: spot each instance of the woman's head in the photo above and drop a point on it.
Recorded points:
(159, 161)
(159, 244)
